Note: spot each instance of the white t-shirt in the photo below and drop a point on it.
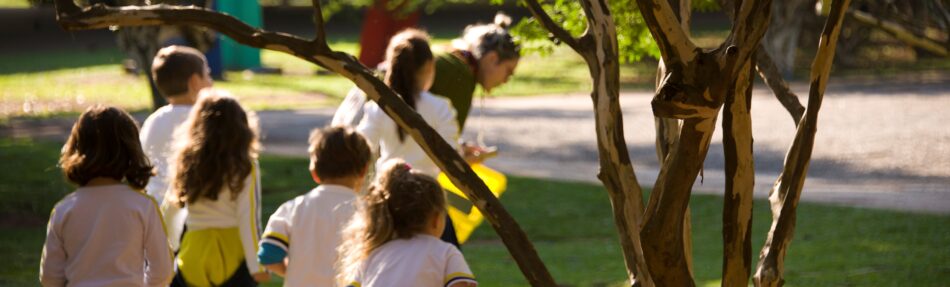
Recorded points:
(380, 130)
(421, 261)
(309, 228)
(156, 137)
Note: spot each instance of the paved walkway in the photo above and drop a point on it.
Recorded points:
(879, 145)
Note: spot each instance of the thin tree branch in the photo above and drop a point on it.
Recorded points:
(442, 153)
(321, 37)
(786, 192)
(675, 46)
(545, 20)
(600, 50)
(773, 78)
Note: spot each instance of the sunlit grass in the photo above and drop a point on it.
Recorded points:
(570, 224)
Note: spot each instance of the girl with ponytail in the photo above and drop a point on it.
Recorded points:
(392, 239)
(410, 70)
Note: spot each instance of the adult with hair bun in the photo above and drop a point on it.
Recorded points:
(486, 55)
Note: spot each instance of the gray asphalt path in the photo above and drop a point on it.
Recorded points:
(879, 145)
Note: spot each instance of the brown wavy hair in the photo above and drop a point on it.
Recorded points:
(215, 149)
(104, 142)
(398, 205)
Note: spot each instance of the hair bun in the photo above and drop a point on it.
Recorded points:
(502, 20)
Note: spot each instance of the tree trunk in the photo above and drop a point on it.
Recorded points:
(693, 90)
(598, 47)
(786, 192)
(740, 182)
(318, 52)
(781, 41)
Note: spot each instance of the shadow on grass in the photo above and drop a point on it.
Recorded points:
(571, 225)
(30, 62)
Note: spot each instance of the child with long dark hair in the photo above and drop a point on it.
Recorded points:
(108, 232)
(392, 239)
(216, 176)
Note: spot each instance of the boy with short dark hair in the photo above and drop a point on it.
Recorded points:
(339, 158)
(180, 73)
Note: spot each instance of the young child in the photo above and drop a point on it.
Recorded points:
(180, 73)
(314, 222)
(216, 176)
(392, 240)
(410, 70)
(107, 232)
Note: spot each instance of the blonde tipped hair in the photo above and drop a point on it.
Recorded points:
(481, 39)
(397, 206)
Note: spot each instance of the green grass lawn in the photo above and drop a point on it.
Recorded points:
(42, 84)
(569, 223)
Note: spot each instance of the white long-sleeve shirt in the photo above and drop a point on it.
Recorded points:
(106, 236)
(244, 212)
(381, 132)
(156, 136)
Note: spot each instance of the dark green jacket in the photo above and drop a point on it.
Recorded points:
(454, 80)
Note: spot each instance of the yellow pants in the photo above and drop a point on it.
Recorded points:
(209, 257)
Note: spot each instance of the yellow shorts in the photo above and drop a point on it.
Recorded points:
(210, 257)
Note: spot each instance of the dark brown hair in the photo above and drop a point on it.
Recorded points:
(407, 53)
(398, 205)
(104, 142)
(215, 149)
(173, 66)
(338, 152)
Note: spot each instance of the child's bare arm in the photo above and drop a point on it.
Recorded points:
(277, 268)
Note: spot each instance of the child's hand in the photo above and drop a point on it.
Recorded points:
(477, 154)
(261, 277)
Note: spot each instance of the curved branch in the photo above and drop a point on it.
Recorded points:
(674, 43)
(773, 78)
(787, 190)
(899, 32)
(443, 154)
(562, 35)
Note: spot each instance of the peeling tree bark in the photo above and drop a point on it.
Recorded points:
(598, 47)
(72, 17)
(740, 182)
(786, 192)
(668, 129)
(693, 90)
